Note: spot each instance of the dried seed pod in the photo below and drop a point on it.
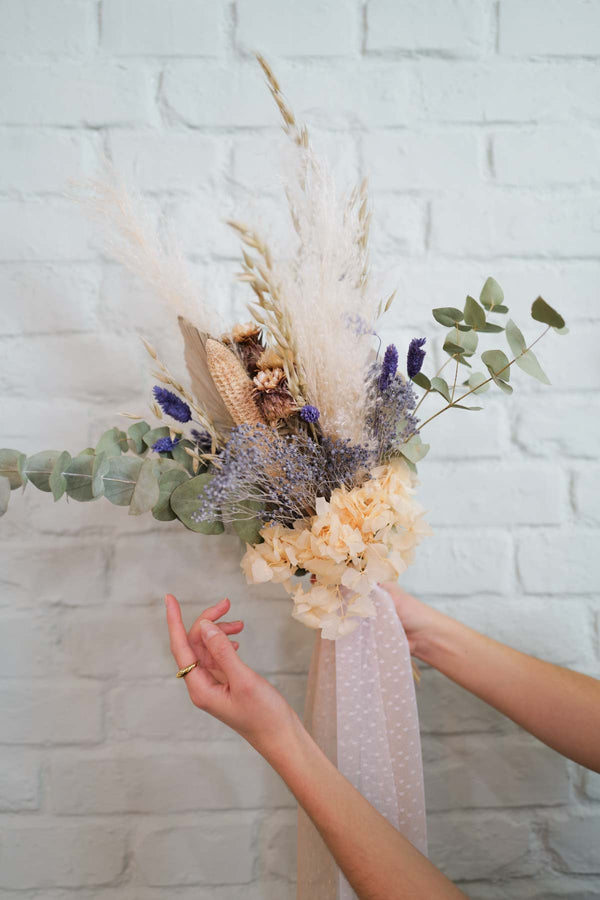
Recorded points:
(233, 384)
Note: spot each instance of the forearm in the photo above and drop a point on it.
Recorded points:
(557, 705)
(377, 860)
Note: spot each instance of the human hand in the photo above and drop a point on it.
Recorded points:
(221, 684)
(418, 619)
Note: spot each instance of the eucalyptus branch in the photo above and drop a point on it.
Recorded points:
(429, 390)
(487, 380)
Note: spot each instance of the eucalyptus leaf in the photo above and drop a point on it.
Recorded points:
(113, 442)
(414, 449)
(57, 481)
(422, 380)
(99, 470)
(491, 295)
(146, 491)
(474, 314)
(479, 381)
(120, 479)
(470, 408)
(5, 490)
(136, 432)
(79, 477)
(89, 451)
(563, 330)
(39, 468)
(491, 328)
(543, 312)
(462, 343)
(248, 528)
(150, 437)
(503, 385)
(184, 502)
(167, 482)
(447, 315)
(441, 387)
(515, 338)
(11, 467)
(179, 454)
(497, 362)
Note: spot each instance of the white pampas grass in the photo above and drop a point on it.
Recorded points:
(132, 238)
(326, 296)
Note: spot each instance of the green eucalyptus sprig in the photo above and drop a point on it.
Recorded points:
(120, 468)
(461, 342)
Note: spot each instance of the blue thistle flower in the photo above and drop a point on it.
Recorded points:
(165, 444)
(171, 404)
(388, 367)
(415, 357)
(309, 414)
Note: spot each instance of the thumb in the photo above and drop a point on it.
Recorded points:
(220, 647)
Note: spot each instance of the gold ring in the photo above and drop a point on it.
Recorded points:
(187, 669)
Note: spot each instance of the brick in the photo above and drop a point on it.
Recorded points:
(574, 842)
(476, 771)
(453, 91)
(44, 297)
(64, 94)
(19, 781)
(34, 27)
(522, 494)
(562, 423)
(489, 223)
(546, 155)
(591, 784)
(47, 856)
(25, 155)
(64, 369)
(445, 708)
(557, 562)
(568, 28)
(452, 562)
(170, 161)
(68, 573)
(413, 160)
(531, 625)
(158, 712)
(200, 853)
(59, 712)
(27, 645)
(399, 225)
(587, 494)
(489, 846)
(43, 230)
(377, 94)
(277, 842)
(574, 364)
(253, 155)
(447, 27)
(153, 28)
(311, 28)
(230, 775)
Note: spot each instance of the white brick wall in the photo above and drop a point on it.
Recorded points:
(478, 121)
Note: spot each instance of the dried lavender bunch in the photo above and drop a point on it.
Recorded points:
(277, 478)
(391, 401)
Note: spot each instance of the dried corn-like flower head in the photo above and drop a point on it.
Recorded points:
(232, 383)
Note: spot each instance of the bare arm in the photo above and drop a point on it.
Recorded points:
(378, 862)
(557, 705)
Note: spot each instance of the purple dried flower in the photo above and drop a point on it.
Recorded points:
(390, 417)
(165, 444)
(171, 404)
(203, 440)
(388, 367)
(415, 357)
(309, 414)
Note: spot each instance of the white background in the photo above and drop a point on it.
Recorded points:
(478, 124)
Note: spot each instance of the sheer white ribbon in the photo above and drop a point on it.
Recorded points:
(361, 709)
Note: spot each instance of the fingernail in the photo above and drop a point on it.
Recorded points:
(208, 629)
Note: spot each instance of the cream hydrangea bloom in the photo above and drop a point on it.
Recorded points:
(356, 539)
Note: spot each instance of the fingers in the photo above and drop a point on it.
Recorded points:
(212, 613)
(221, 649)
(197, 678)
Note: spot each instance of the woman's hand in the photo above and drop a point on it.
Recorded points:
(222, 684)
(418, 619)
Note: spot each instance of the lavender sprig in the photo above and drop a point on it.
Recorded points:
(171, 404)
(415, 357)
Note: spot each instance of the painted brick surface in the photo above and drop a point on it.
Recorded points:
(478, 123)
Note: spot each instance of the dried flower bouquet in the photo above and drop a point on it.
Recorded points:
(297, 430)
